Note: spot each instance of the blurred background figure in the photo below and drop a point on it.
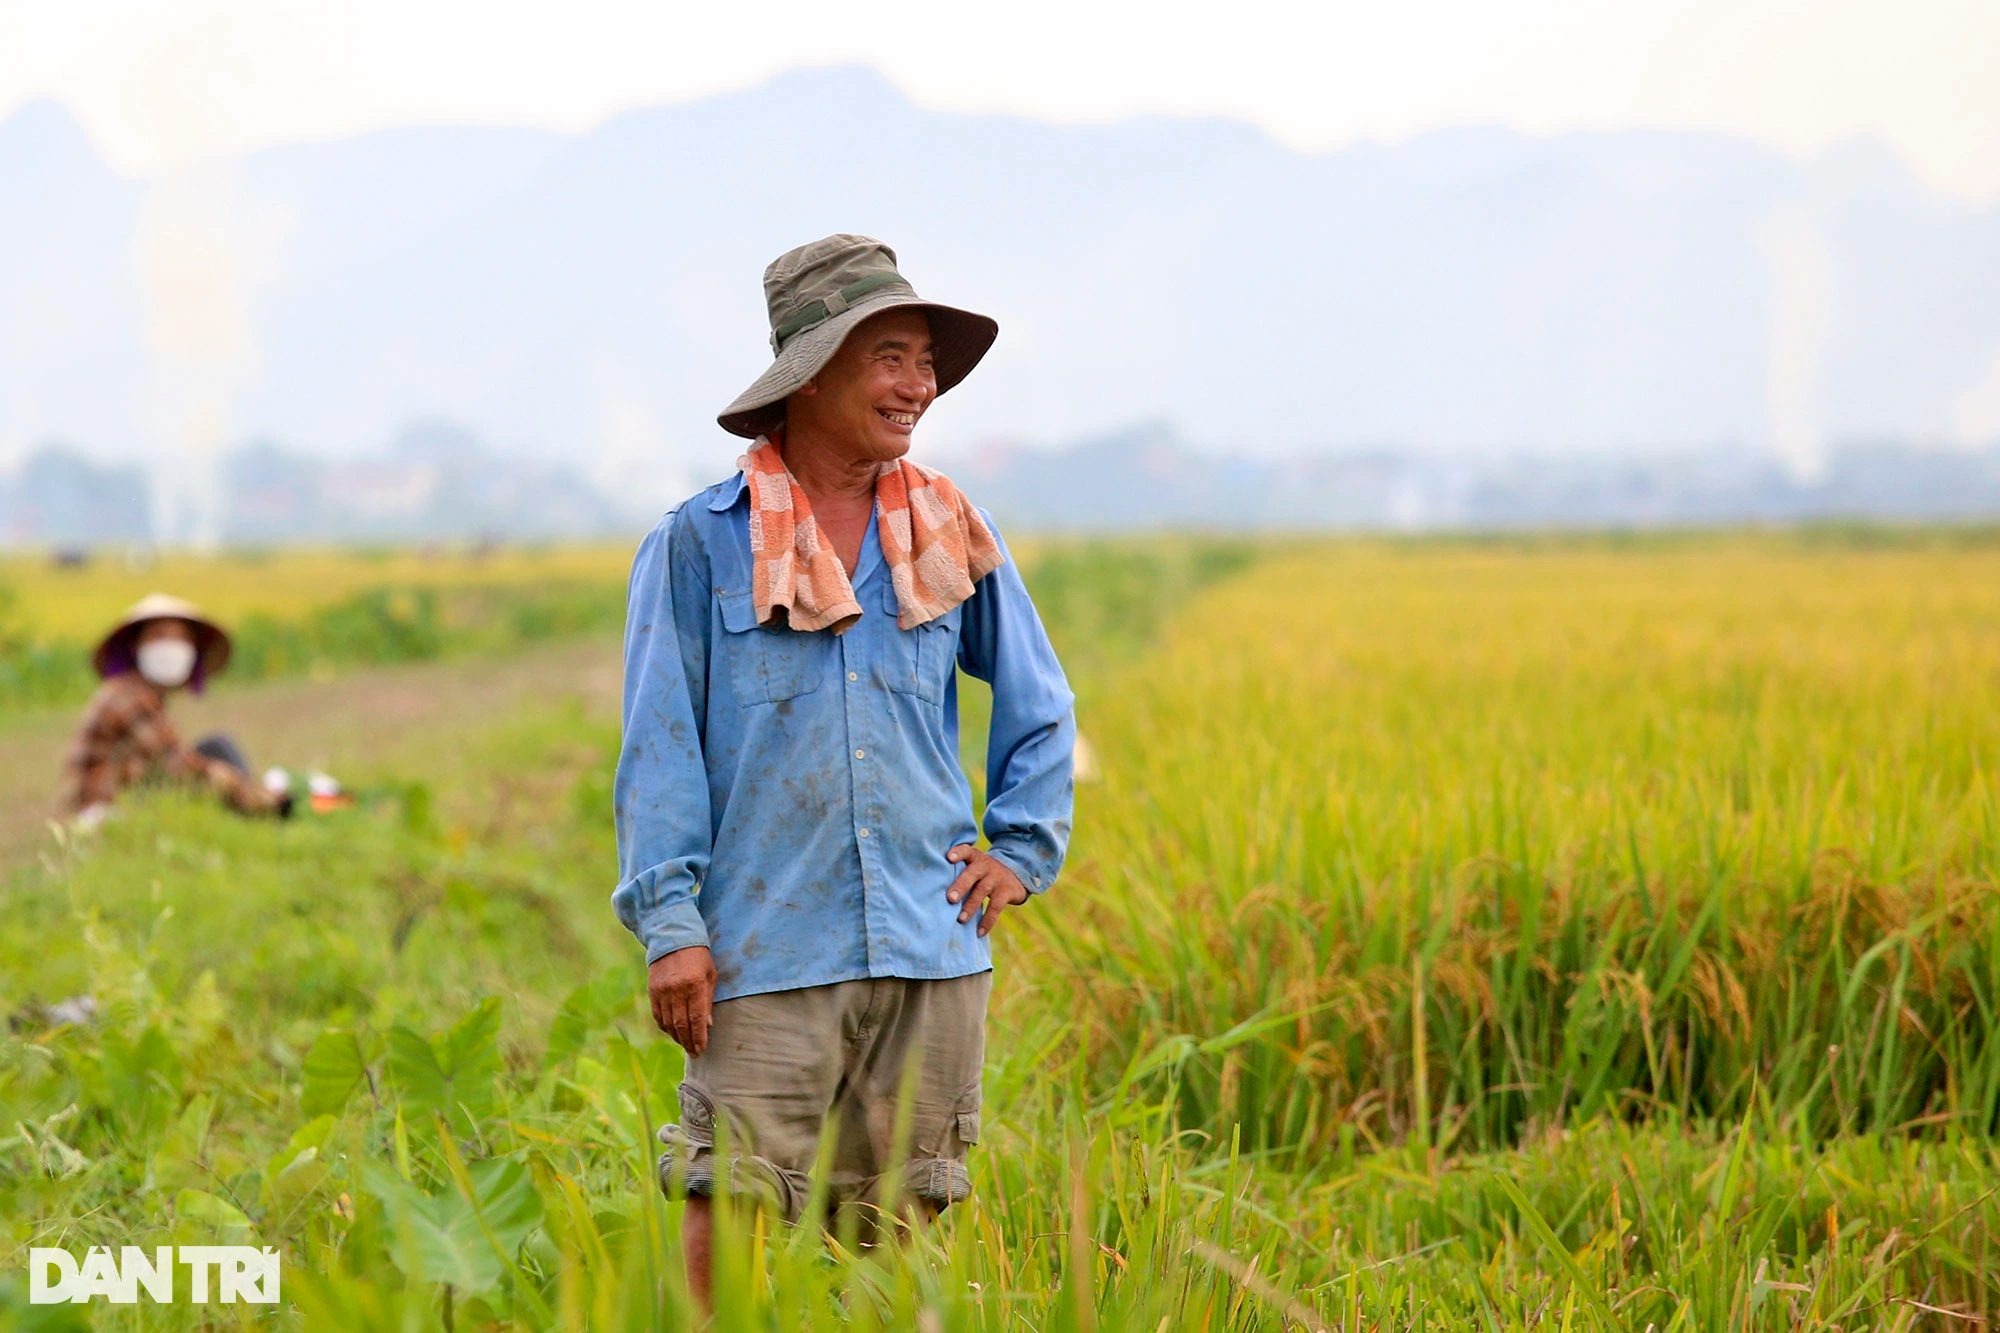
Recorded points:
(162, 645)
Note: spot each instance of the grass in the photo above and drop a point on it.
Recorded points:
(1499, 935)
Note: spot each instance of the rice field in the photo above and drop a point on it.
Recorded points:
(1562, 934)
(312, 613)
(55, 603)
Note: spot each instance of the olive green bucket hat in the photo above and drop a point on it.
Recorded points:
(817, 294)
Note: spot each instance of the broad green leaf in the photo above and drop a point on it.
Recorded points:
(588, 1008)
(296, 1168)
(470, 1052)
(209, 1219)
(142, 1078)
(505, 1192)
(184, 1148)
(469, 1056)
(438, 1236)
(413, 1068)
(333, 1066)
(453, 1075)
(297, 1178)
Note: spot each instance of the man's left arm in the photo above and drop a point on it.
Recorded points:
(1031, 745)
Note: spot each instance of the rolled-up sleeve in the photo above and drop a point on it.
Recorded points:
(1031, 747)
(661, 791)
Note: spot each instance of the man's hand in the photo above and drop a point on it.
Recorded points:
(985, 879)
(682, 987)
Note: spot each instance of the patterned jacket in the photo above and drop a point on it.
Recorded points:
(126, 738)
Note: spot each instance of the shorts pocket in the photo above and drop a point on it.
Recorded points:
(765, 665)
(967, 1116)
(697, 1116)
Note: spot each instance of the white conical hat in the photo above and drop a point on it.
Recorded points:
(116, 652)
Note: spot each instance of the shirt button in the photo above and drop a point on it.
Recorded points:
(862, 832)
(861, 754)
(854, 675)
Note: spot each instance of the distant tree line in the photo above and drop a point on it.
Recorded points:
(59, 496)
(435, 482)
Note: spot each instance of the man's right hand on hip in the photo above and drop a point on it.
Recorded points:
(682, 988)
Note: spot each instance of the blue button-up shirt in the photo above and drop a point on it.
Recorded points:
(787, 798)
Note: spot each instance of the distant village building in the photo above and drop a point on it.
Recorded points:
(59, 498)
(436, 482)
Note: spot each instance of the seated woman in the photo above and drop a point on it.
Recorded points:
(162, 645)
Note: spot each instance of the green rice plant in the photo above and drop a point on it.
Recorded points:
(531, 1204)
(1495, 935)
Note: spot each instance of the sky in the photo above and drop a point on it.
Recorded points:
(160, 84)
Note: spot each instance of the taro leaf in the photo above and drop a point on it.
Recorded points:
(589, 1007)
(419, 1079)
(142, 1077)
(209, 1219)
(296, 1179)
(296, 1169)
(333, 1066)
(472, 1048)
(182, 1156)
(452, 1076)
(439, 1237)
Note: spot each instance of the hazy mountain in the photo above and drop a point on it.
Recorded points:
(438, 482)
(595, 297)
(1147, 478)
(72, 310)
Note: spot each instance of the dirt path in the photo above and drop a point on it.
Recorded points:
(366, 719)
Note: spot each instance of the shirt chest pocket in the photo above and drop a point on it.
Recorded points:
(921, 660)
(765, 666)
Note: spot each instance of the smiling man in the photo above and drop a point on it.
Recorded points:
(797, 845)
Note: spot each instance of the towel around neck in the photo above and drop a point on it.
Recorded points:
(933, 540)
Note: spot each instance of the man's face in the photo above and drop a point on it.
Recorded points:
(868, 398)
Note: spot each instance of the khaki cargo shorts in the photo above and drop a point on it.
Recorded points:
(780, 1067)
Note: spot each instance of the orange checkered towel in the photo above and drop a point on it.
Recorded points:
(935, 543)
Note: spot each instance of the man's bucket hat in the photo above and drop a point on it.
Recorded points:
(817, 294)
(119, 651)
